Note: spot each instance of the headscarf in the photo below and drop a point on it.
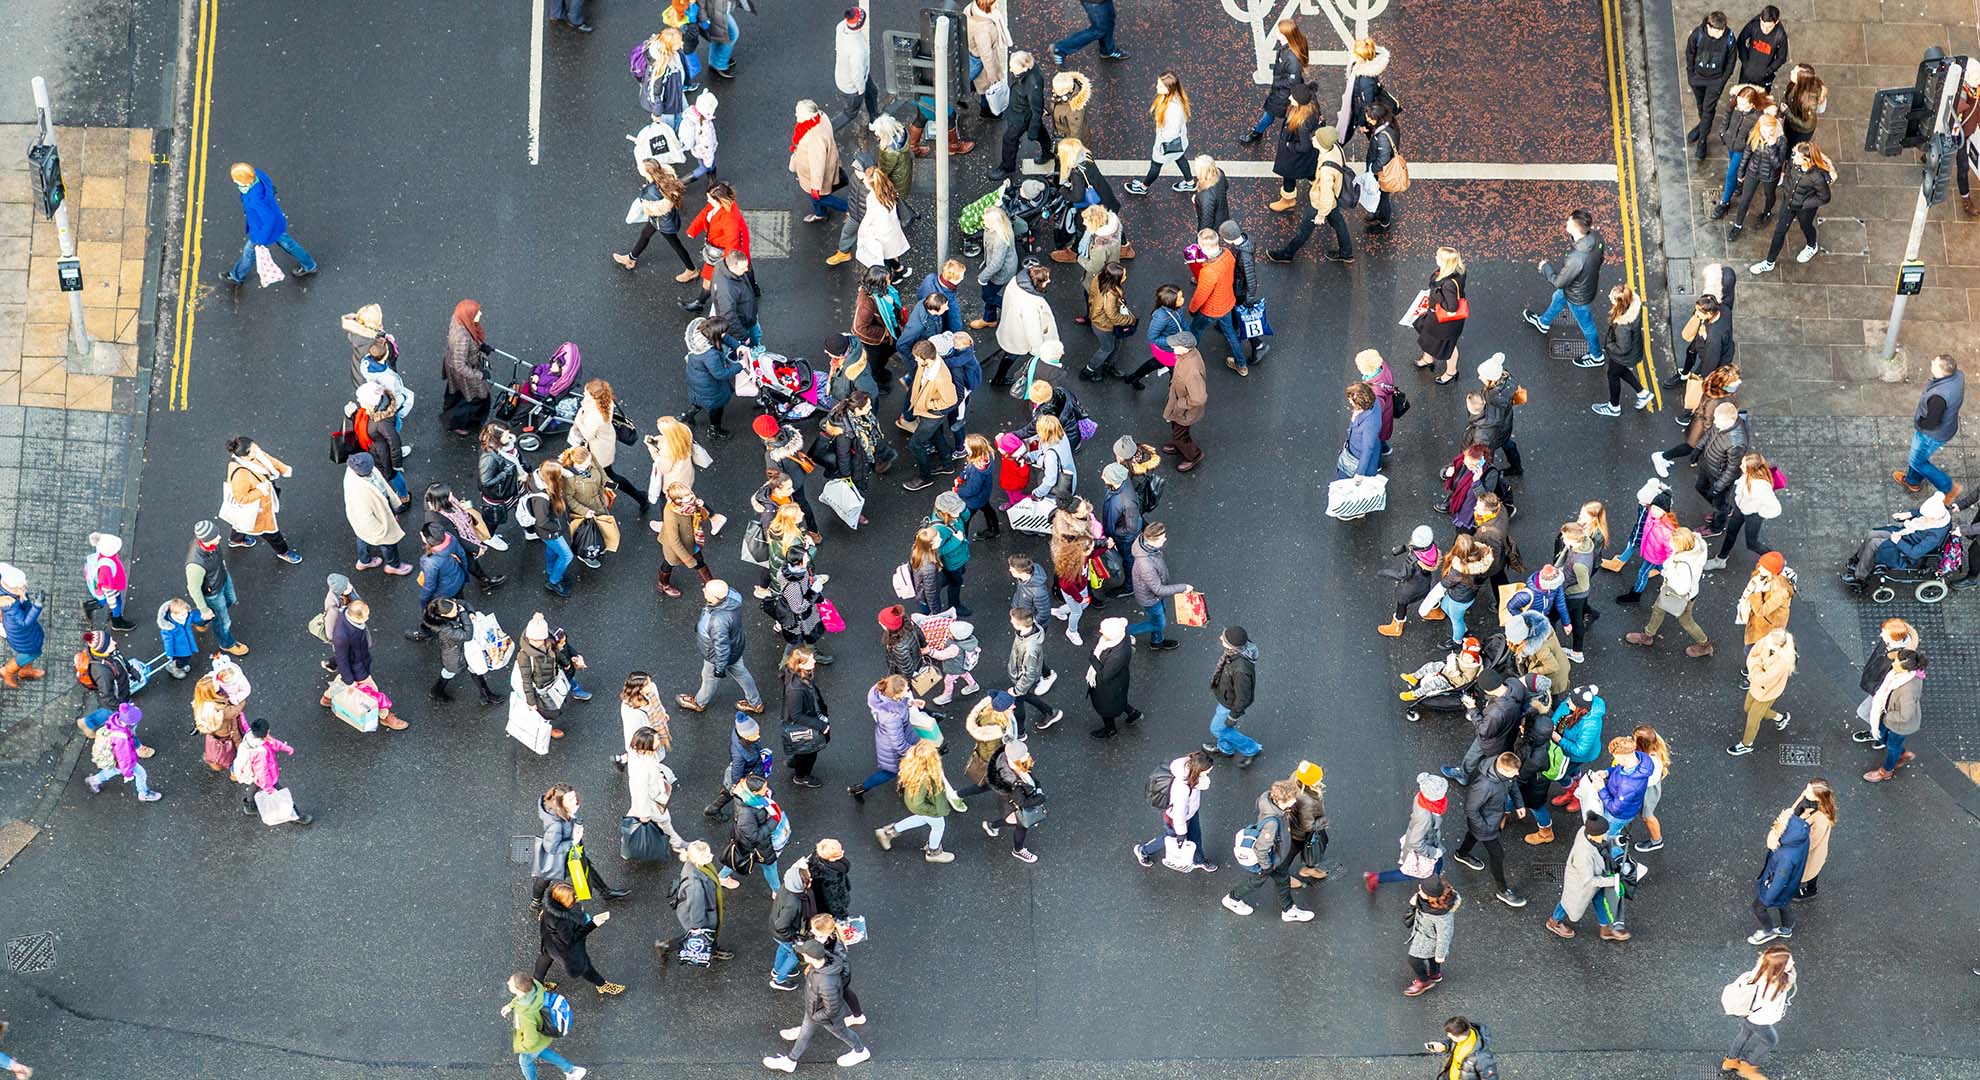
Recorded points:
(464, 313)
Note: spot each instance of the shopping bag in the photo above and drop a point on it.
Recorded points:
(264, 266)
(641, 841)
(844, 499)
(829, 617)
(852, 930)
(1191, 610)
(355, 707)
(527, 726)
(743, 384)
(276, 807)
(635, 215)
(755, 546)
(998, 97)
(490, 649)
(1251, 320)
(1694, 392)
(1368, 192)
(1355, 496)
(1416, 308)
(1178, 854)
(926, 679)
(1033, 515)
(578, 871)
(698, 949)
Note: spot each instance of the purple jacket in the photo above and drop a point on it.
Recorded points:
(1383, 382)
(892, 734)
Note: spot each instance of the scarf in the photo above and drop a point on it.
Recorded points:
(802, 129)
(1436, 807)
(457, 515)
(464, 313)
(1427, 558)
(1893, 679)
(1462, 1049)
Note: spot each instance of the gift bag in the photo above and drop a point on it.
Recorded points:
(264, 266)
(1417, 308)
(926, 679)
(276, 807)
(1355, 496)
(527, 726)
(852, 930)
(844, 499)
(356, 707)
(829, 617)
(1191, 609)
(1251, 320)
(579, 871)
(1032, 515)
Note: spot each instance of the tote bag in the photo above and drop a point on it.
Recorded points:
(276, 807)
(527, 726)
(844, 499)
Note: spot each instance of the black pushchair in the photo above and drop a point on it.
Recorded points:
(546, 403)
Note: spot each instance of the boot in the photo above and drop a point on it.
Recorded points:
(439, 691)
(7, 675)
(914, 141)
(1541, 835)
(1748, 1071)
(959, 145)
(1392, 628)
(1967, 203)
(1283, 203)
(488, 696)
(1436, 614)
(30, 672)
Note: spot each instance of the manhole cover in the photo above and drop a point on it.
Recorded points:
(522, 849)
(1800, 754)
(32, 954)
(770, 234)
(1566, 346)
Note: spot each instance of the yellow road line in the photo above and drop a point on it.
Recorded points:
(178, 392)
(1622, 127)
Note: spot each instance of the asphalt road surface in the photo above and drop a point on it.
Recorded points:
(193, 940)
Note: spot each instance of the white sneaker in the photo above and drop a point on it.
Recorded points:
(1662, 464)
(1072, 634)
(1237, 906)
(1045, 684)
(1057, 715)
(790, 1034)
(1806, 253)
(943, 699)
(1715, 564)
(1060, 612)
(1603, 408)
(1295, 914)
(577, 1073)
(496, 543)
(854, 1057)
(856, 1019)
(780, 1063)
(1573, 655)
(1643, 399)
(1761, 267)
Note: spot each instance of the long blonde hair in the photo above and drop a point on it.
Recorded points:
(789, 521)
(924, 549)
(1596, 516)
(882, 187)
(921, 771)
(676, 438)
(1172, 90)
(998, 223)
(1204, 169)
(1069, 151)
(1817, 159)
(1449, 262)
(1766, 130)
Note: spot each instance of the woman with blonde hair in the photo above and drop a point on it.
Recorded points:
(675, 457)
(1442, 321)
(1622, 350)
(1735, 128)
(1683, 573)
(806, 727)
(1212, 195)
(682, 531)
(1361, 87)
(1807, 180)
(926, 793)
(786, 532)
(1766, 156)
(1818, 796)
(1289, 59)
(1650, 742)
(1170, 111)
(1084, 187)
(1759, 998)
(1052, 465)
(1000, 265)
(881, 238)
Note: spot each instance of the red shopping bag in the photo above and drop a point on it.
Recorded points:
(1191, 609)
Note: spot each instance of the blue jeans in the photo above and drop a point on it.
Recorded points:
(1920, 467)
(1454, 612)
(388, 552)
(1154, 624)
(1732, 175)
(1604, 905)
(144, 788)
(1584, 316)
(1387, 877)
(1643, 575)
(1893, 749)
(823, 205)
(1228, 325)
(221, 604)
(1099, 27)
(557, 557)
(571, 11)
(1192, 832)
(785, 968)
(720, 51)
(879, 777)
(1229, 739)
(770, 875)
(287, 243)
(1264, 123)
(398, 485)
(1616, 824)
(527, 1062)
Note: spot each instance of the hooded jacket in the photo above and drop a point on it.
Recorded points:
(562, 931)
(792, 908)
(1485, 800)
(698, 899)
(1027, 321)
(1623, 788)
(1151, 574)
(1496, 722)
(1362, 81)
(831, 885)
(1708, 60)
(1761, 52)
(892, 733)
(266, 224)
(718, 633)
(1069, 111)
(1580, 270)
(1582, 740)
(553, 846)
(1233, 683)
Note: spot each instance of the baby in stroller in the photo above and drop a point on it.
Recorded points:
(1032, 206)
(547, 403)
(1442, 683)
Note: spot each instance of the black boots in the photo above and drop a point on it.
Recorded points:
(488, 696)
(439, 690)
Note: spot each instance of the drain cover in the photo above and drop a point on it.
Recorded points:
(770, 234)
(32, 954)
(522, 849)
(1800, 754)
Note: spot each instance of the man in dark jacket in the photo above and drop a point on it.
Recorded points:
(1275, 854)
(442, 572)
(1120, 519)
(827, 1005)
(1710, 346)
(1935, 422)
(1232, 684)
(831, 878)
(1763, 48)
(790, 911)
(734, 299)
(1495, 723)
(211, 587)
(1152, 586)
(1034, 591)
(1575, 283)
(1720, 455)
(1245, 281)
(1484, 809)
(718, 635)
(1709, 56)
(1025, 116)
(350, 644)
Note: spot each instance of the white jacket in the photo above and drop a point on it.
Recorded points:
(880, 234)
(1756, 498)
(1684, 570)
(1768, 1008)
(698, 136)
(592, 429)
(651, 783)
(852, 58)
(1184, 801)
(1027, 321)
(1173, 125)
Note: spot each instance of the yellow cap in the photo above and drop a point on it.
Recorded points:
(1308, 773)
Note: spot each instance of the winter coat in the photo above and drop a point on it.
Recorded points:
(1297, 157)
(252, 482)
(1120, 515)
(1364, 441)
(537, 667)
(791, 909)
(1234, 681)
(831, 885)
(463, 366)
(1806, 187)
(711, 378)
(892, 733)
(927, 583)
(1329, 180)
(1622, 342)
(21, 617)
(1580, 270)
(677, 542)
(1172, 124)
(351, 645)
(1027, 108)
(825, 986)
(933, 391)
(1027, 660)
(1425, 832)
(1485, 801)
(1584, 876)
(1275, 830)
(719, 632)
(592, 427)
(1781, 875)
(1216, 290)
(1624, 785)
(1034, 595)
(1109, 692)
(1430, 931)
(698, 901)
(1000, 262)
(1069, 112)
(266, 224)
(1027, 321)
(1496, 722)
(1582, 741)
(1683, 572)
(1735, 126)
(442, 572)
(525, 1016)
(751, 836)
(1767, 608)
(1819, 826)
(1212, 203)
(804, 707)
(1360, 82)
(1495, 424)
(815, 161)
(553, 846)
(368, 506)
(1189, 390)
(649, 786)
(1901, 708)
(990, 43)
(1151, 575)
(1287, 72)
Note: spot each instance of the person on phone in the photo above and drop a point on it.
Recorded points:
(1468, 1050)
(563, 924)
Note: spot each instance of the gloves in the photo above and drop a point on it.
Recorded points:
(485, 348)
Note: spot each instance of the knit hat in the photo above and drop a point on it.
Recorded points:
(950, 503)
(1184, 340)
(538, 628)
(1585, 696)
(1303, 93)
(1231, 231)
(1516, 630)
(1538, 683)
(362, 464)
(961, 628)
(205, 530)
(1470, 648)
(1551, 577)
(855, 15)
(1236, 637)
(1114, 475)
(1016, 750)
(1125, 448)
(892, 617)
(1326, 138)
(1421, 537)
(705, 104)
(1649, 491)
(12, 577)
(337, 583)
(746, 726)
(1772, 562)
(1001, 701)
(370, 395)
(1309, 774)
(1662, 501)
(1432, 785)
(105, 544)
(1009, 443)
(1493, 369)
(96, 640)
(765, 426)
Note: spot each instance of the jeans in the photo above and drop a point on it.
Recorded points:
(1732, 176)
(993, 301)
(1100, 28)
(1584, 316)
(1919, 466)
(915, 821)
(1603, 905)
(1280, 878)
(771, 876)
(1753, 1043)
(1229, 739)
(931, 437)
(1224, 323)
(388, 552)
(737, 671)
(1104, 344)
(823, 205)
(1893, 750)
(557, 557)
(144, 787)
(287, 243)
(1454, 614)
(221, 604)
(849, 106)
(1264, 123)
(1154, 624)
(527, 1062)
(1389, 877)
(784, 969)
(719, 52)
(1738, 524)
(1192, 832)
(1770, 917)
(571, 11)
(952, 583)
(835, 1028)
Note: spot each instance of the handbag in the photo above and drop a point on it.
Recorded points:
(1394, 177)
(1352, 497)
(1398, 404)
(1415, 863)
(1175, 146)
(527, 726)
(1737, 997)
(829, 617)
(755, 546)
(578, 871)
(1694, 392)
(355, 707)
(276, 807)
(622, 428)
(1251, 319)
(998, 97)
(641, 841)
(1779, 477)
(845, 499)
(1671, 603)
(1028, 817)
(239, 516)
(925, 679)
(1463, 310)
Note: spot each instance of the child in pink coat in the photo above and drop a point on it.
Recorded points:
(257, 766)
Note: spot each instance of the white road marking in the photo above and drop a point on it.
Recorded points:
(1418, 170)
(535, 76)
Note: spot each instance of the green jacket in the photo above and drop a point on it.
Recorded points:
(933, 804)
(524, 1011)
(954, 547)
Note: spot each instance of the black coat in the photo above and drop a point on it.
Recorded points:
(1213, 206)
(562, 931)
(1709, 61)
(1027, 108)
(1485, 801)
(1382, 145)
(1109, 692)
(831, 885)
(1445, 292)
(1287, 72)
(749, 836)
(1806, 187)
(1496, 722)
(804, 707)
(790, 915)
(1761, 54)
(1087, 175)
(1622, 342)
(1296, 158)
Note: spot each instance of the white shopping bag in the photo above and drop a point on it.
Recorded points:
(1368, 192)
(1178, 854)
(277, 807)
(527, 726)
(845, 500)
(264, 265)
(1357, 496)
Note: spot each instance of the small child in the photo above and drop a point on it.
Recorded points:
(256, 765)
(697, 133)
(1457, 670)
(1013, 474)
(115, 753)
(175, 630)
(1653, 541)
(957, 656)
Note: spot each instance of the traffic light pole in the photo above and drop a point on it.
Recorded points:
(78, 333)
(1940, 118)
(942, 107)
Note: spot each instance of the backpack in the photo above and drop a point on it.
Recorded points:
(82, 671)
(1161, 783)
(1252, 848)
(1556, 762)
(554, 1018)
(640, 64)
(1712, 62)
(1151, 492)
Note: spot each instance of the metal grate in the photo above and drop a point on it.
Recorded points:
(1800, 754)
(1947, 631)
(32, 954)
(769, 233)
(522, 850)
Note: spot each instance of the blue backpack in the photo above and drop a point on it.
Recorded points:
(554, 1018)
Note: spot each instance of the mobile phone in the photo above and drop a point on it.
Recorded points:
(1433, 1048)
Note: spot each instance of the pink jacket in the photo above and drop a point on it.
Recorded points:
(1657, 539)
(104, 576)
(267, 768)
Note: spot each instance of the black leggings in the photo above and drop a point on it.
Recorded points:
(1753, 183)
(1618, 375)
(1011, 810)
(632, 490)
(673, 239)
(1580, 615)
(1426, 969)
(544, 960)
(275, 540)
(1155, 170)
(1737, 523)
(1147, 368)
(1805, 217)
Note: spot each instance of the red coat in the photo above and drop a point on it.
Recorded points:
(725, 229)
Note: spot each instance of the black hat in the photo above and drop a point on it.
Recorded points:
(1236, 637)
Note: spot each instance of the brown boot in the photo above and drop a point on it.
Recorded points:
(1967, 203)
(915, 144)
(1698, 651)
(1283, 204)
(1541, 835)
(1897, 477)
(1748, 1071)
(1392, 628)
(1435, 614)
(1728, 1064)
(1610, 933)
(30, 672)
(7, 675)
(959, 145)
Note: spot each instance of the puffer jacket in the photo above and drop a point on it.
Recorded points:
(1622, 790)
(718, 633)
(1151, 574)
(1806, 187)
(1485, 801)
(553, 846)
(1582, 741)
(892, 733)
(1027, 660)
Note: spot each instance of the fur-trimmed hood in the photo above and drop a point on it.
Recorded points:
(1375, 67)
(1081, 93)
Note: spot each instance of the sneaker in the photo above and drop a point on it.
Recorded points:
(1715, 564)
(95, 786)
(1164, 645)
(1739, 749)
(1806, 253)
(1024, 855)
(854, 1057)
(1236, 906)
(578, 1073)
(1647, 846)
(1144, 860)
(1532, 320)
(990, 830)
(1589, 360)
(1058, 57)
(1045, 685)
(780, 1062)
(1209, 867)
(1781, 720)
(1733, 231)
(789, 1034)
(856, 1020)
(1509, 898)
(1643, 399)
(292, 557)
(1574, 655)
(368, 564)
(1072, 635)
(1187, 186)
(1295, 914)
(242, 542)
(1471, 861)
(1454, 776)
(917, 484)
(1662, 464)
(1762, 267)
(1057, 715)
(778, 984)
(1603, 408)
(937, 855)
(1861, 737)
(1135, 187)
(1761, 937)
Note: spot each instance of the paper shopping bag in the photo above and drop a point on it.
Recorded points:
(1191, 610)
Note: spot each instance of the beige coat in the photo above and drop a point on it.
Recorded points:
(368, 505)
(1767, 609)
(251, 480)
(1818, 840)
(1768, 668)
(587, 492)
(676, 536)
(933, 392)
(666, 472)
(1189, 391)
(815, 162)
(989, 42)
(592, 429)
(1325, 194)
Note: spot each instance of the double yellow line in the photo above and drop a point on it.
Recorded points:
(178, 392)
(1625, 144)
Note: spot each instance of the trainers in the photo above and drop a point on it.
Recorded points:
(1603, 408)
(149, 796)
(1643, 399)
(1739, 749)
(1647, 846)
(292, 557)
(1509, 898)
(780, 1063)
(95, 786)
(1589, 360)
(779, 984)
(1533, 320)
(1781, 720)
(1806, 253)
(1045, 684)
(1144, 860)
(1861, 737)
(1186, 186)
(1452, 774)
(1762, 267)
(854, 1057)
(1471, 861)
(1761, 937)
(1715, 564)
(917, 484)
(989, 829)
(1662, 464)
(1135, 187)
(1057, 715)
(789, 1034)
(1024, 855)
(1295, 914)
(1236, 906)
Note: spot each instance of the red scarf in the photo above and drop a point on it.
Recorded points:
(803, 128)
(1434, 807)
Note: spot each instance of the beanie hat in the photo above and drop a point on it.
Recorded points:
(1551, 577)
(1236, 636)
(1001, 701)
(1327, 138)
(538, 628)
(1230, 230)
(891, 618)
(1470, 648)
(765, 426)
(746, 726)
(855, 15)
(1494, 368)
(105, 544)
(1009, 443)
(1649, 490)
(1585, 696)
(1125, 448)
(204, 530)
(1421, 537)
(12, 577)
(950, 503)
(362, 464)
(1114, 475)
(1432, 786)
(1772, 562)
(1662, 501)
(1308, 773)
(1538, 683)
(1516, 630)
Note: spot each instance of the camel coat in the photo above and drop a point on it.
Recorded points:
(251, 480)
(368, 505)
(1189, 392)
(1767, 609)
(815, 162)
(1768, 668)
(1818, 840)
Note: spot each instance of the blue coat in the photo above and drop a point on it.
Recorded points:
(1782, 875)
(920, 324)
(442, 573)
(265, 221)
(176, 634)
(744, 757)
(1911, 550)
(965, 370)
(1364, 442)
(1622, 792)
(22, 619)
(1582, 743)
(977, 486)
(1035, 594)
(932, 284)
(1550, 603)
(719, 632)
(710, 376)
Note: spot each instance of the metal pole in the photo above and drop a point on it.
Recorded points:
(942, 105)
(78, 333)
(1918, 214)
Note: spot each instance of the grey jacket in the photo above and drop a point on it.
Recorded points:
(1034, 594)
(1000, 262)
(1151, 575)
(719, 632)
(1430, 931)
(1901, 708)
(1027, 663)
(695, 907)
(553, 846)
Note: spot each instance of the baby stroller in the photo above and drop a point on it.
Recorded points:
(1444, 685)
(1929, 577)
(545, 403)
(1032, 205)
(787, 387)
